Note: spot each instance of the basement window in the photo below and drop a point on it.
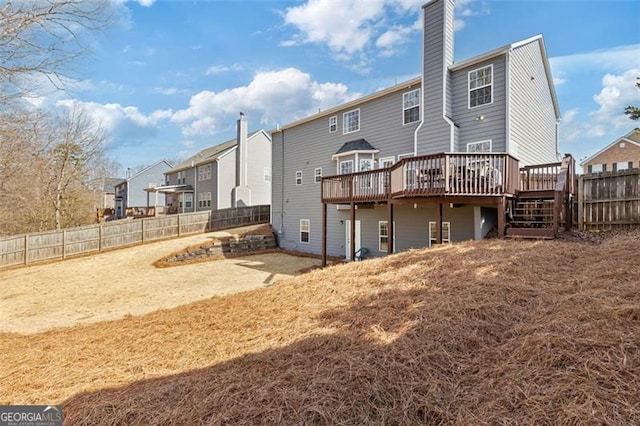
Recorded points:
(305, 230)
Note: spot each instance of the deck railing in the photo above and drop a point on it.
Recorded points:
(447, 174)
(541, 177)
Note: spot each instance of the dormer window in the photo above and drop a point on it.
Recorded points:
(481, 86)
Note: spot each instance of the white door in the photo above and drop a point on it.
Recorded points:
(347, 246)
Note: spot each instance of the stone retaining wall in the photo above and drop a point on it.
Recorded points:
(247, 244)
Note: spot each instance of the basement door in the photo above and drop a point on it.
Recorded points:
(347, 244)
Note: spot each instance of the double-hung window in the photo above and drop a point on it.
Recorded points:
(433, 232)
(346, 167)
(333, 124)
(317, 175)
(351, 121)
(204, 172)
(411, 106)
(299, 177)
(305, 230)
(481, 86)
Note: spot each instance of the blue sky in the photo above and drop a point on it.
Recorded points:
(169, 77)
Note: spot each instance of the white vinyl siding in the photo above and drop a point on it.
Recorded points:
(267, 174)
(317, 175)
(351, 121)
(411, 107)
(305, 230)
(333, 124)
(299, 177)
(481, 86)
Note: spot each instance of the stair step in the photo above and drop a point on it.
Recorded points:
(541, 233)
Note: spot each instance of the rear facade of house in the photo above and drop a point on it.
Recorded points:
(235, 173)
(500, 105)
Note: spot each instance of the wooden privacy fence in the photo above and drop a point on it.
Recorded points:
(24, 249)
(609, 200)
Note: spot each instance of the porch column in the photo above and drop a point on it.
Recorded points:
(324, 234)
(147, 212)
(390, 235)
(501, 213)
(439, 224)
(352, 237)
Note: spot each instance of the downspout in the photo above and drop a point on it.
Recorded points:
(558, 139)
(507, 142)
(445, 84)
(281, 230)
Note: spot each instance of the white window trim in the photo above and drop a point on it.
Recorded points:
(469, 87)
(380, 222)
(298, 176)
(317, 175)
(362, 161)
(345, 121)
(308, 231)
(333, 121)
(405, 108)
(407, 155)
(433, 239)
(385, 159)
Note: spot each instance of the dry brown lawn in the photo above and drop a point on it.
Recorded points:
(488, 332)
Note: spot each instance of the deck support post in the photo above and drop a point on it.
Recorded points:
(324, 234)
(501, 216)
(352, 237)
(439, 224)
(390, 236)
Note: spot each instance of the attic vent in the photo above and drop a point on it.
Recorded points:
(622, 144)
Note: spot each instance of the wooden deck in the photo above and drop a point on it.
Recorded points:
(440, 175)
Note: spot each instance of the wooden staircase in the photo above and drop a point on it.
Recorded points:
(532, 217)
(544, 201)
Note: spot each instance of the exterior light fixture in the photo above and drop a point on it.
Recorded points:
(480, 118)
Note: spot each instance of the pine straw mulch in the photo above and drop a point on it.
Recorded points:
(488, 332)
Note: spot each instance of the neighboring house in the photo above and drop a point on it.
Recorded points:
(235, 173)
(621, 154)
(130, 193)
(104, 192)
(498, 110)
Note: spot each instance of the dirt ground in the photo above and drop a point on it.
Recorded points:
(124, 282)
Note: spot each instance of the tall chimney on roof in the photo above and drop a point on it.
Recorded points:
(436, 133)
(242, 192)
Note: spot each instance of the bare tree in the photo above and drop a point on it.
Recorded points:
(75, 147)
(44, 37)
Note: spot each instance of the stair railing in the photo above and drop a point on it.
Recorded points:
(564, 193)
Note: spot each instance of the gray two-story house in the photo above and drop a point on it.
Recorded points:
(235, 173)
(131, 194)
(437, 156)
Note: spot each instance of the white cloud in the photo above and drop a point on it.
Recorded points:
(271, 97)
(606, 119)
(614, 59)
(358, 28)
(122, 124)
(219, 69)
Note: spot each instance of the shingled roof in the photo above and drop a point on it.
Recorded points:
(357, 145)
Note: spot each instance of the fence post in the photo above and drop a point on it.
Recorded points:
(100, 237)
(64, 235)
(580, 203)
(142, 227)
(26, 249)
(178, 225)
